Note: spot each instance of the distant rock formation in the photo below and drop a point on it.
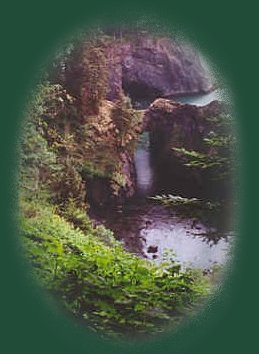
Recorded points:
(149, 67)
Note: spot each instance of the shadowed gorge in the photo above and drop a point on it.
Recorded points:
(125, 189)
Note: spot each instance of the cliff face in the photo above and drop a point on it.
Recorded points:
(171, 125)
(147, 68)
(185, 123)
(109, 168)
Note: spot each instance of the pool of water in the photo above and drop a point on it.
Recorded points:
(151, 230)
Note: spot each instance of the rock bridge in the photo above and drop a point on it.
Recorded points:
(171, 124)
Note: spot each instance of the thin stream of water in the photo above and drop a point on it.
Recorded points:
(149, 229)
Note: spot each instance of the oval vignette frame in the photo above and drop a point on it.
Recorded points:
(218, 302)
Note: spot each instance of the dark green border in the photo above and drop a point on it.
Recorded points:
(227, 32)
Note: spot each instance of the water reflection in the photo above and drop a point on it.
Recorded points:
(184, 239)
(203, 99)
(149, 230)
(196, 100)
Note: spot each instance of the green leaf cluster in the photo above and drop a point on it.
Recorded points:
(218, 153)
(103, 285)
(67, 140)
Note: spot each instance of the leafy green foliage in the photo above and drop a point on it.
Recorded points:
(94, 81)
(176, 200)
(214, 164)
(49, 158)
(110, 289)
(68, 185)
(68, 140)
(219, 143)
(37, 161)
(126, 121)
(205, 211)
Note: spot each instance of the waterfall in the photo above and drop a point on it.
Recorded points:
(143, 167)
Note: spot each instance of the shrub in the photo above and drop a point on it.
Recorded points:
(111, 289)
